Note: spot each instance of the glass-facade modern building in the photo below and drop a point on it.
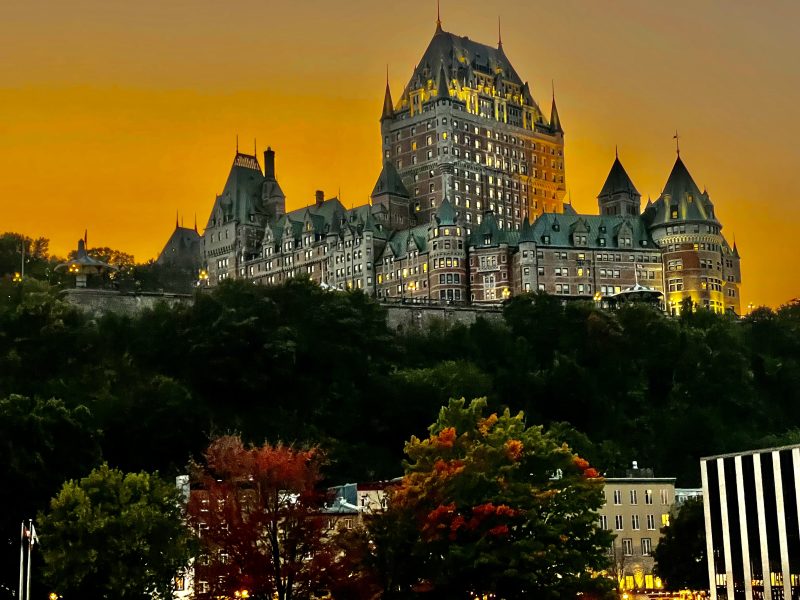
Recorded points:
(752, 522)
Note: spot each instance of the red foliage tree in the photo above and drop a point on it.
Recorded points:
(258, 511)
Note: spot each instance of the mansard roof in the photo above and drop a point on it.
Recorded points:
(399, 241)
(390, 182)
(241, 196)
(496, 236)
(681, 194)
(559, 230)
(328, 217)
(618, 182)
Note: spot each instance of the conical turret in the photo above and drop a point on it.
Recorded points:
(388, 107)
(555, 120)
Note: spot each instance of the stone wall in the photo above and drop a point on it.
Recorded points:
(401, 317)
(98, 302)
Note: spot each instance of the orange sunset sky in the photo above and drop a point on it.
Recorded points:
(113, 115)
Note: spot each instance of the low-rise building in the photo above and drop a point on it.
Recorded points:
(636, 507)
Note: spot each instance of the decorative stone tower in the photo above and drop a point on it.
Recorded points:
(619, 196)
(698, 262)
(466, 113)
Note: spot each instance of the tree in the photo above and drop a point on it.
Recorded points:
(490, 506)
(681, 554)
(41, 443)
(115, 535)
(260, 515)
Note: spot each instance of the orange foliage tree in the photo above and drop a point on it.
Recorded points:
(490, 506)
(259, 512)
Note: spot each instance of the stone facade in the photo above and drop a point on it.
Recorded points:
(468, 208)
(636, 508)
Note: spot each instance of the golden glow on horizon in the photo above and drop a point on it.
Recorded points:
(112, 116)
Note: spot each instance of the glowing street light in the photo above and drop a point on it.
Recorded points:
(17, 277)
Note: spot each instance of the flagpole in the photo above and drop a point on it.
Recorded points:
(30, 545)
(21, 557)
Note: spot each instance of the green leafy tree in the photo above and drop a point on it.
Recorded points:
(490, 506)
(681, 554)
(115, 535)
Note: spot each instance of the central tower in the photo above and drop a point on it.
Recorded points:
(467, 128)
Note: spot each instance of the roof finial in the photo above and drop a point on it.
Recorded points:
(387, 73)
(255, 148)
(616, 151)
(195, 222)
(176, 218)
(676, 137)
(499, 33)
(438, 18)
(570, 197)
(237, 143)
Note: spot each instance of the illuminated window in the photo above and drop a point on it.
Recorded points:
(665, 520)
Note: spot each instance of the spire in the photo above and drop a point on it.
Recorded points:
(555, 121)
(388, 106)
(735, 249)
(499, 35)
(438, 18)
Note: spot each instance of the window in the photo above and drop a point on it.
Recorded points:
(665, 520)
(617, 496)
(648, 496)
(627, 547)
(647, 547)
(635, 522)
(651, 522)
(633, 497)
(604, 522)
(618, 523)
(664, 497)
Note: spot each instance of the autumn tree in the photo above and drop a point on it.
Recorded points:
(260, 515)
(490, 506)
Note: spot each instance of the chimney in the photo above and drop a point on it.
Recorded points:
(269, 163)
(320, 196)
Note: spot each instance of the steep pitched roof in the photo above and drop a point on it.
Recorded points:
(182, 250)
(489, 230)
(446, 214)
(618, 182)
(555, 121)
(460, 57)
(241, 196)
(390, 182)
(388, 107)
(681, 194)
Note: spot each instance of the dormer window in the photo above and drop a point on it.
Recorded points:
(556, 226)
(546, 239)
(602, 228)
(674, 211)
(487, 239)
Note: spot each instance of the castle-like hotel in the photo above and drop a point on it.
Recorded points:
(470, 207)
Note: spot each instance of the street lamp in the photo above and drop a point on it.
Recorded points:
(17, 277)
(241, 594)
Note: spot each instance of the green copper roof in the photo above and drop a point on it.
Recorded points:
(559, 230)
(680, 197)
(389, 182)
(241, 196)
(618, 182)
(446, 214)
